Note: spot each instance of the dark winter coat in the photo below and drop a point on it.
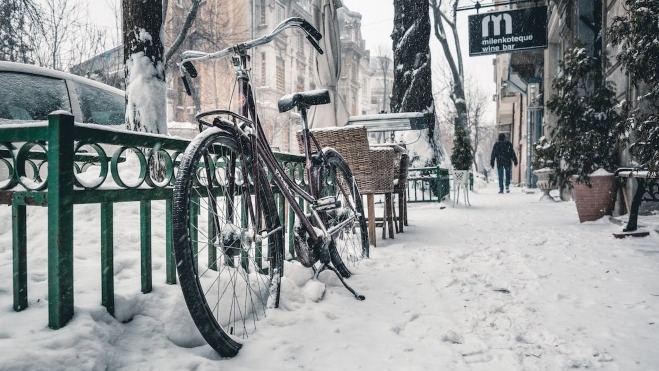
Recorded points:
(503, 153)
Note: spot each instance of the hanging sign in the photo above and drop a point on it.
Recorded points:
(508, 31)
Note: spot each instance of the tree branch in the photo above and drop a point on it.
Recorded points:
(189, 19)
(440, 33)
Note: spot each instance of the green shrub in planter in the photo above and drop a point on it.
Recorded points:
(544, 154)
(462, 156)
(588, 128)
(636, 33)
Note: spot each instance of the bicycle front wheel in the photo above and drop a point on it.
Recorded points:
(227, 239)
(349, 242)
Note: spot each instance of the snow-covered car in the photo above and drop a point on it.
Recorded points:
(30, 93)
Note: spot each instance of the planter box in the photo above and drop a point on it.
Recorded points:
(596, 201)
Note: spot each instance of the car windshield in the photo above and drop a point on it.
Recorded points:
(27, 97)
(100, 106)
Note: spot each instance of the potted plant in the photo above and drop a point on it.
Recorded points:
(461, 157)
(544, 165)
(634, 32)
(587, 133)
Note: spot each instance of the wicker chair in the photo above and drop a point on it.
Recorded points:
(401, 166)
(372, 168)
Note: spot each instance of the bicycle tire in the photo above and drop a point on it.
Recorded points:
(225, 315)
(350, 245)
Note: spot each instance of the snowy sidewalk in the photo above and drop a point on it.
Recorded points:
(509, 283)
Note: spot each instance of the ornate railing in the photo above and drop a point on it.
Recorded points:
(60, 164)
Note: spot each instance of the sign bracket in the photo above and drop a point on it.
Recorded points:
(478, 5)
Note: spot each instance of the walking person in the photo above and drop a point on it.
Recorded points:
(504, 155)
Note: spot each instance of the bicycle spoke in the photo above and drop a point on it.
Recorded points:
(234, 283)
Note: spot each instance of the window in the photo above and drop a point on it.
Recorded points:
(263, 12)
(281, 74)
(263, 70)
(28, 97)
(281, 13)
(300, 46)
(99, 106)
(300, 83)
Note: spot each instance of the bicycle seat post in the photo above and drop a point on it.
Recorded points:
(303, 115)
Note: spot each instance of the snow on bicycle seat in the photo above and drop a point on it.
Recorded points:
(305, 98)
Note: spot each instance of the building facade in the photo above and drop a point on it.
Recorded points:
(285, 65)
(519, 103)
(524, 79)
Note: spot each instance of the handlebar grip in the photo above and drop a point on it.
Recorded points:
(311, 30)
(315, 45)
(189, 67)
(188, 91)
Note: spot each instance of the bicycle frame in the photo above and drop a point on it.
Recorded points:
(257, 140)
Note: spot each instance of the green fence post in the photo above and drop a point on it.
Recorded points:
(438, 184)
(107, 257)
(60, 219)
(145, 242)
(170, 259)
(19, 253)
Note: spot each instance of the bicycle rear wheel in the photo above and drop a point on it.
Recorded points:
(228, 270)
(350, 243)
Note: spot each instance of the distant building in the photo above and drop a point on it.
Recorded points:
(524, 79)
(354, 63)
(107, 67)
(381, 83)
(283, 66)
(519, 104)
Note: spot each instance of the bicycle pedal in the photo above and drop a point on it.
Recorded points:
(326, 203)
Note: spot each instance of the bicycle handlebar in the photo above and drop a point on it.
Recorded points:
(313, 35)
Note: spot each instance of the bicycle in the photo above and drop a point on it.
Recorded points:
(227, 170)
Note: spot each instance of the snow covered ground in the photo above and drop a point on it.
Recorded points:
(509, 283)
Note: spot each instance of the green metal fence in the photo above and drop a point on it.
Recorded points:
(46, 165)
(427, 184)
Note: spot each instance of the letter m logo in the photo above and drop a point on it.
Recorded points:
(496, 22)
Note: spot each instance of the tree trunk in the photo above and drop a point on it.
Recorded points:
(412, 90)
(146, 98)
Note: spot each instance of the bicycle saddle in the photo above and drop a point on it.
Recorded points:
(303, 99)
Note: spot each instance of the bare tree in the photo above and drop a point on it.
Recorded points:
(55, 33)
(480, 130)
(383, 57)
(18, 18)
(61, 35)
(452, 52)
(185, 28)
